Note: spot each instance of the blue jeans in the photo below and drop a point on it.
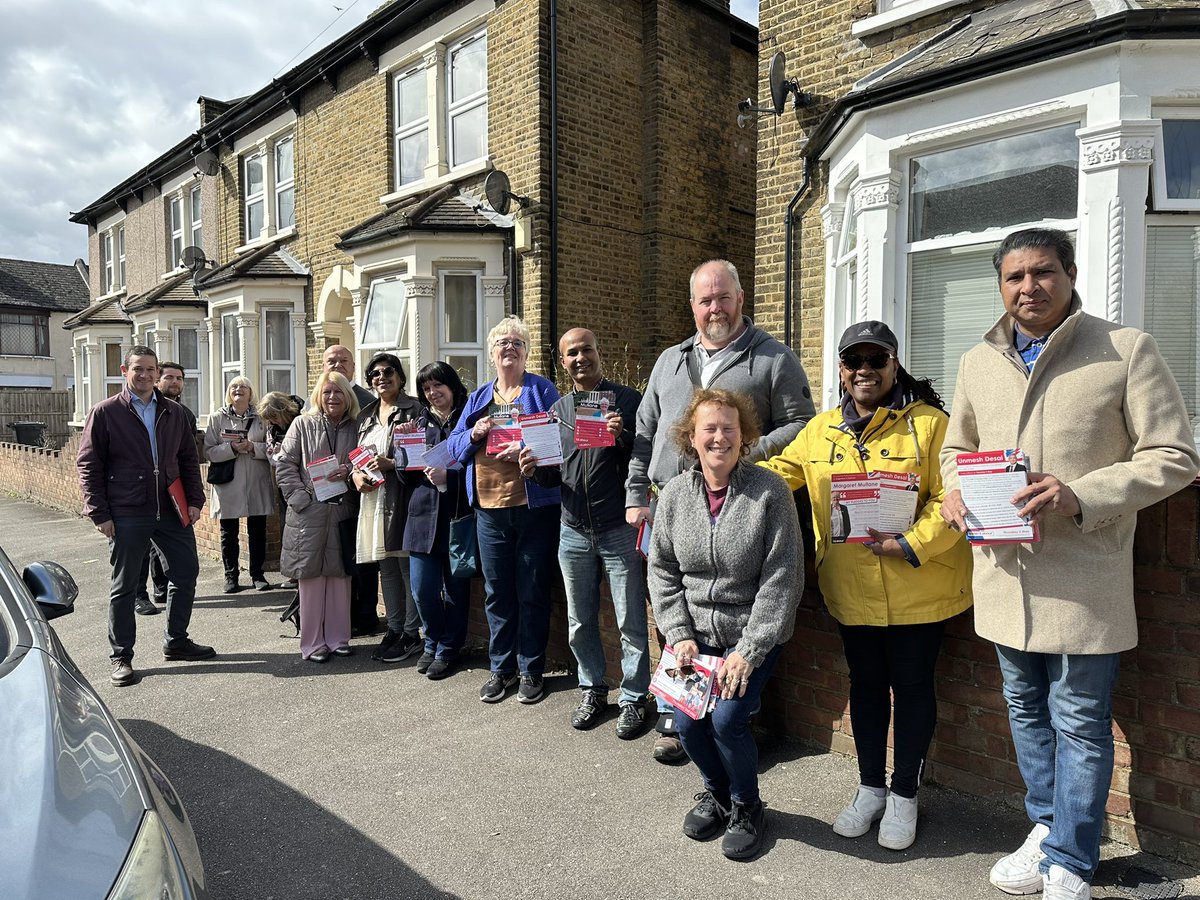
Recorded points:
(1060, 712)
(584, 558)
(721, 744)
(442, 599)
(128, 549)
(516, 551)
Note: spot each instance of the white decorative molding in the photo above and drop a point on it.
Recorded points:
(864, 276)
(985, 123)
(417, 286)
(299, 320)
(879, 192)
(832, 215)
(494, 286)
(1116, 151)
(1116, 258)
(247, 319)
(433, 56)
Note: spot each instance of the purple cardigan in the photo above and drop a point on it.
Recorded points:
(537, 395)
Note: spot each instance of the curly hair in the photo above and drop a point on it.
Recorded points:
(681, 431)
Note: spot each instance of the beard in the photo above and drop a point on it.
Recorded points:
(718, 330)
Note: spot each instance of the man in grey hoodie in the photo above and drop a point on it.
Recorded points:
(727, 351)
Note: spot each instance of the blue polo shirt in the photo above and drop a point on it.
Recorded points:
(1030, 348)
(147, 410)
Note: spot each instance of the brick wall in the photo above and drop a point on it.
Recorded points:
(1154, 802)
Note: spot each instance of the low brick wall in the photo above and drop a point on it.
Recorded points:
(1154, 802)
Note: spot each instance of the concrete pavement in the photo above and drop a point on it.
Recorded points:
(358, 780)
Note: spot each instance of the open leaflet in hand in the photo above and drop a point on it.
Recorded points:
(689, 688)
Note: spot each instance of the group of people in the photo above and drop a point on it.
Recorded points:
(707, 461)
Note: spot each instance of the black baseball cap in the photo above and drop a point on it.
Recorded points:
(870, 332)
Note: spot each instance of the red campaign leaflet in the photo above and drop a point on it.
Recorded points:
(540, 433)
(413, 445)
(644, 535)
(687, 688)
(505, 428)
(988, 480)
(438, 457)
(591, 419)
(230, 434)
(359, 457)
(324, 487)
(898, 493)
(854, 507)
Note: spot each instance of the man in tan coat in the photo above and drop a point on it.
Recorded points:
(1101, 419)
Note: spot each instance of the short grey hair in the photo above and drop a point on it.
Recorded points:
(729, 267)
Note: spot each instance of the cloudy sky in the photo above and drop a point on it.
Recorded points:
(92, 90)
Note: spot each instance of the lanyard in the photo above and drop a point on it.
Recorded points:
(331, 441)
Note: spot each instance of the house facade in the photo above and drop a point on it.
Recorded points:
(35, 299)
(345, 201)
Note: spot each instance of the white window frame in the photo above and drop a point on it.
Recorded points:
(196, 215)
(230, 368)
(191, 374)
(273, 187)
(456, 107)
(287, 364)
(1163, 203)
(395, 342)
(175, 222)
(258, 198)
(85, 377)
(107, 262)
(1173, 221)
(475, 349)
(120, 269)
(282, 184)
(404, 131)
(110, 380)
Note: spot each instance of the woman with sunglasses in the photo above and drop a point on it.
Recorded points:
(891, 595)
(383, 507)
(436, 497)
(516, 520)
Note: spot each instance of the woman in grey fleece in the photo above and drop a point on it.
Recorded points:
(725, 576)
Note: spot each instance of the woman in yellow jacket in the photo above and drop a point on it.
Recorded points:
(892, 594)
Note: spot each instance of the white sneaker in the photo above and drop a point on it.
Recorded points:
(898, 827)
(1018, 873)
(1059, 884)
(856, 819)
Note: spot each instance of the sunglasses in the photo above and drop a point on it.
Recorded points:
(875, 360)
(384, 372)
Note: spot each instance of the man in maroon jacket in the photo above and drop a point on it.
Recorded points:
(135, 445)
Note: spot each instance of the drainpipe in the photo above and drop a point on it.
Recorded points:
(789, 218)
(553, 241)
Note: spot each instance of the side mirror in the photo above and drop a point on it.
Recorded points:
(52, 587)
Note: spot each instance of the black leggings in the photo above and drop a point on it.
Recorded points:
(899, 659)
(256, 533)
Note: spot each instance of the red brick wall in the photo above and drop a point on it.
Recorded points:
(1154, 802)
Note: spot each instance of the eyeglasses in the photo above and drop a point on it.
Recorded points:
(875, 360)
(384, 372)
(509, 344)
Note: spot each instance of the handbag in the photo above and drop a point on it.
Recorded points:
(464, 547)
(220, 472)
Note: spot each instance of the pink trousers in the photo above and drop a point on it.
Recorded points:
(324, 614)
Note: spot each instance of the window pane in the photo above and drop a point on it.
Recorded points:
(460, 309)
(467, 368)
(111, 390)
(1181, 147)
(1011, 181)
(279, 380)
(468, 69)
(386, 312)
(283, 161)
(410, 98)
(285, 210)
(1172, 299)
(176, 214)
(187, 348)
(413, 152)
(954, 300)
(230, 350)
(196, 208)
(254, 175)
(191, 393)
(113, 358)
(469, 135)
(278, 329)
(254, 220)
(227, 376)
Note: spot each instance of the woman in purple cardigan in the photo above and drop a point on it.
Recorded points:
(516, 521)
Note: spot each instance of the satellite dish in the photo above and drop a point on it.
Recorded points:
(193, 259)
(780, 86)
(206, 161)
(498, 190)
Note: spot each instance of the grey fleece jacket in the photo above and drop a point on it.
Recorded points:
(735, 582)
(760, 367)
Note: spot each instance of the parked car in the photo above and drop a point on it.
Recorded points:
(84, 812)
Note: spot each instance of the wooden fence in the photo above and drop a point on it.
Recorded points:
(51, 407)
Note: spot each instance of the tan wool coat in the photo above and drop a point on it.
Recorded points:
(252, 491)
(1102, 412)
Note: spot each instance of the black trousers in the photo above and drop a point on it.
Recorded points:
(256, 532)
(152, 568)
(892, 664)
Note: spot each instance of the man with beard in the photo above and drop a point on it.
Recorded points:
(728, 351)
(170, 383)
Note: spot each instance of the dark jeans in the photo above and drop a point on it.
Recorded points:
(128, 550)
(517, 549)
(892, 663)
(442, 599)
(256, 533)
(721, 744)
(152, 568)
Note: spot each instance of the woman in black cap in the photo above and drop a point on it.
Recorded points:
(890, 591)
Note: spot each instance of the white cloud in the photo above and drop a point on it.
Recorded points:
(745, 9)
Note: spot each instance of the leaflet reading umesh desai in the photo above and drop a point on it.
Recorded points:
(988, 480)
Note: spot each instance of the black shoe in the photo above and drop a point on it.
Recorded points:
(187, 651)
(589, 711)
(744, 836)
(343, 651)
(425, 662)
(531, 689)
(707, 817)
(144, 606)
(231, 584)
(439, 669)
(122, 673)
(319, 656)
(401, 649)
(261, 584)
(386, 644)
(631, 721)
(494, 688)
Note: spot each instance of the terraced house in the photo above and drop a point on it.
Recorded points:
(345, 201)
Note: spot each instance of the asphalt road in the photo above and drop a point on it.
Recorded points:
(357, 780)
